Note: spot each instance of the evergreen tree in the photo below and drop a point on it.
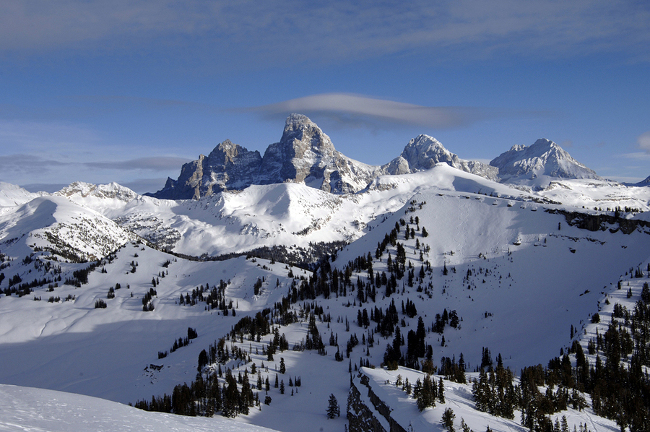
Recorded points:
(448, 419)
(333, 409)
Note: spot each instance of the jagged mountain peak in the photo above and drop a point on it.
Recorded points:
(424, 140)
(226, 146)
(300, 131)
(295, 120)
(304, 154)
(228, 152)
(428, 147)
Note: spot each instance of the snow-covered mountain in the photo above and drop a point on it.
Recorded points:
(13, 195)
(237, 221)
(424, 152)
(306, 155)
(503, 251)
(645, 182)
(542, 159)
(57, 225)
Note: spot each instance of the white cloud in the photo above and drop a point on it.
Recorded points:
(144, 163)
(643, 141)
(358, 110)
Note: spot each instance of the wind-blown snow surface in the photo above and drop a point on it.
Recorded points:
(32, 409)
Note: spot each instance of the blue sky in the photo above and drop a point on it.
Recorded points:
(127, 91)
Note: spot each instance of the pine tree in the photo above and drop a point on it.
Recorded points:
(464, 426)
(448, 419)
(283, 368)
(333, 409)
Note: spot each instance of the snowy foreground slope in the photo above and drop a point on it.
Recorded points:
(458, 398)
(519, 277)
(32, 409)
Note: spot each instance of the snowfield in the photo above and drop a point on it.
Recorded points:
(32, 409)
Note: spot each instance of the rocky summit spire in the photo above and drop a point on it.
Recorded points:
(304, 154)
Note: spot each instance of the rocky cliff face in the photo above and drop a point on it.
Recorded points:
(228, 166)
(304, 155)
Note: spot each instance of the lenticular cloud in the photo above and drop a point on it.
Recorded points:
(351, 108)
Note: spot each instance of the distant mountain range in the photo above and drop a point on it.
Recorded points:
(305, 154)
(645, 182)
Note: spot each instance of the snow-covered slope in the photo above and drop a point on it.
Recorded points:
(518, 278)
(12, 195)
(32, 409)
(101, 198)
(297, 214)
(58, 225)
(458, 398)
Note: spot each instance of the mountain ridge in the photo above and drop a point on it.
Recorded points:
(305, 154)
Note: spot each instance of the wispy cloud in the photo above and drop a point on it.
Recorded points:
(145, 163)
(45, 138)
(26, 164)
(298, 31)
(637, 155)
(643, 141)
(146, 185)
(361, 111)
